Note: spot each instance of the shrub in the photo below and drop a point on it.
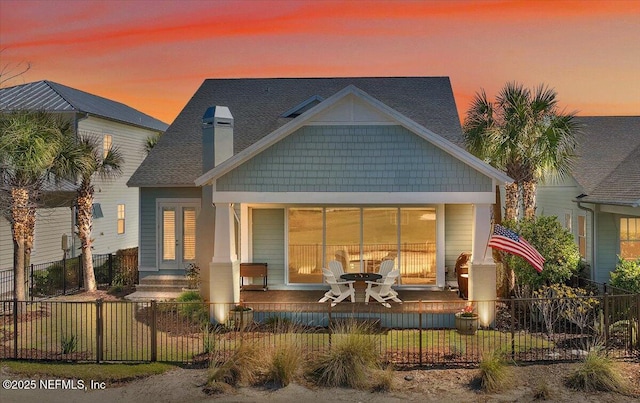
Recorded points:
(349, 362)
(597, 373)
(627, 275)
(494, 372)
(191, 306)
(555, 244)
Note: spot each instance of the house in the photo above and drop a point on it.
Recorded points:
(115, 224)
(297, 172)
(600, 201)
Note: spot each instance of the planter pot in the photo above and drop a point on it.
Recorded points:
(466, 324)
(239, 320)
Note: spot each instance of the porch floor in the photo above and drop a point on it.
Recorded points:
(433, 301)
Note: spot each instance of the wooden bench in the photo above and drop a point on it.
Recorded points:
(253, 270)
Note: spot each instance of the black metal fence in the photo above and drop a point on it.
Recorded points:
(416, 333)
(65, 276)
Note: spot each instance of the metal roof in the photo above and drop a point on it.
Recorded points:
(54, 97)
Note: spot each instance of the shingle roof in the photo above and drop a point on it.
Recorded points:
(608, 164)
(55, 97)
(258, 105)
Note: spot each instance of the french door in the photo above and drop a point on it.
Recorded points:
(177, 234)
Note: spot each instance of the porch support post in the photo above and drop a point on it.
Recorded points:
(224, 269)
(482, 271)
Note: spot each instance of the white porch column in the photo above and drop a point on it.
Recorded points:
(224, 269)
(482, 272)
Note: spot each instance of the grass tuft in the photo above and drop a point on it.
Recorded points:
(542, 391)
(382, 380)
(350, 360)
(243, 367)
(494, 372)
(597, 372)
(284, 364)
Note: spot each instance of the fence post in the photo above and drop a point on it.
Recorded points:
(99, 330)
(64, 274)
(31, 288)
(420, 330)
(513, 329)
(606, 319)
(15, 327)
(154, 333)
(110, 269)
(330, 327)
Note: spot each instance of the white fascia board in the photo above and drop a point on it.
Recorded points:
(304, 119)
(356, 198)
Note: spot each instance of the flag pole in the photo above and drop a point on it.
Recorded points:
(488, 239)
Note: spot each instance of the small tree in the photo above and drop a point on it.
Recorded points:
(554, 243)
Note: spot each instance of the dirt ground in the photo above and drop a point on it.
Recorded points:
(435, 385)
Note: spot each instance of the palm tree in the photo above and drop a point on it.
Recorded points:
(96, 163)
(526, 135)
(30, 142)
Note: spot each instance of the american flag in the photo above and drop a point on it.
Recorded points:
(508, 241)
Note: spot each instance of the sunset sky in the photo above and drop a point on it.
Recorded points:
(153, 55)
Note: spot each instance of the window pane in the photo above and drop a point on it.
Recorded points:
(343, 237)
(418, 246)
(630, 250)
(380, 237)
(624, 229)
(120, 226)
(305, 245)
(582, 225)
(189, 233)
(168, 234)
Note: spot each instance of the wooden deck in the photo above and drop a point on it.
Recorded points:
(431, 301)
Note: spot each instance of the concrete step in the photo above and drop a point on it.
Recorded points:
(179, 281)
(140, 296)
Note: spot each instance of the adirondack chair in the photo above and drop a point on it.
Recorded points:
(385, 268)
(336, 268)
(339, 291)
(382, 292)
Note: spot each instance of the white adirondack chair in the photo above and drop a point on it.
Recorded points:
(339, 291)
(336, 268)
(382, 292)
(386, 266)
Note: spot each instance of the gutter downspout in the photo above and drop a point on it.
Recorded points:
(593, 239)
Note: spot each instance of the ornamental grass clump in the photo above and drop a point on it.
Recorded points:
(349, 362)
(243, 368)
(495, 374)
(283, 365)
(597, 372)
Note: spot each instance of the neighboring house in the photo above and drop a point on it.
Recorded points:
(600, 201)
(115, 224)
(306, 170)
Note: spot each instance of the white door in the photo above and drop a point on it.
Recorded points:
(177, 234)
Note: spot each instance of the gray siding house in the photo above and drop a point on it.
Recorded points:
(297, 172)
(600, 201)
(115, 224)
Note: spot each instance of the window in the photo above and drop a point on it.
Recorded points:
(107, 141)
(120, 218)
(630, 238)
(567, 221)
(360, 239)
(582, 236)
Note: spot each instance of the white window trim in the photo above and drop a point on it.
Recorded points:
(180, 202)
